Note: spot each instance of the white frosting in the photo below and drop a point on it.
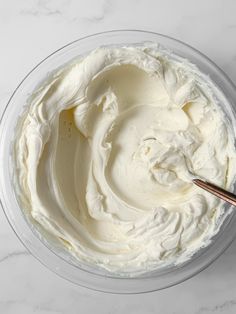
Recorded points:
(106, 151)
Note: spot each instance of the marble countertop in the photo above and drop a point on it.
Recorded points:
(32, 29)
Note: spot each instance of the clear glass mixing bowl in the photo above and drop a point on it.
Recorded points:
(46, 250)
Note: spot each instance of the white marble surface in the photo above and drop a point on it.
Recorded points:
(29, 31)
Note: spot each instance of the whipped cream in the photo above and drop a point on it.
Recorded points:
(105, 153)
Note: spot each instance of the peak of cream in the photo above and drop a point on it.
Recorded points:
(104, 156)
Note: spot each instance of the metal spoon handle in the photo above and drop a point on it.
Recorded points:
(217, 191)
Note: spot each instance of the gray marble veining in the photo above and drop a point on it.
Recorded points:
(15, 254)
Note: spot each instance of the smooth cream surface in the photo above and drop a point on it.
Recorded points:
(106, 151)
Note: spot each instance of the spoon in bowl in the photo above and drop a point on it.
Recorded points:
(216, 190)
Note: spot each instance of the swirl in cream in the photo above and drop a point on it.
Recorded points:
(105, 152)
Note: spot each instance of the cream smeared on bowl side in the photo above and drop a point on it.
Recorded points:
(105, 153)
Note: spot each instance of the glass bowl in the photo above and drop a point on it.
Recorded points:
(50, 253)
